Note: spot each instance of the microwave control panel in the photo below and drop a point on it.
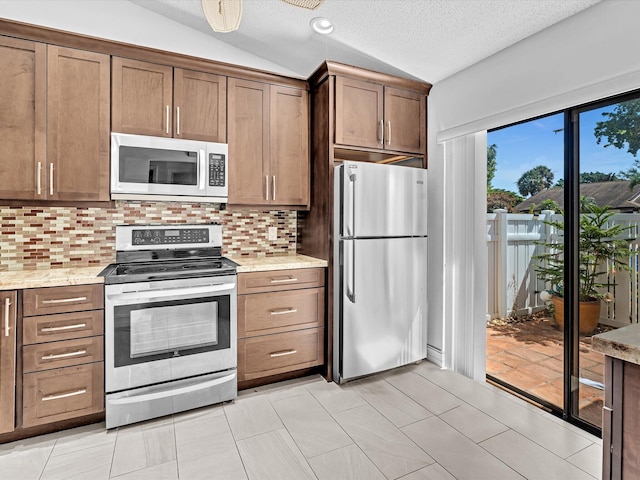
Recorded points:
(216, 170)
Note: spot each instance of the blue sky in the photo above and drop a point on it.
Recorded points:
(527, 145)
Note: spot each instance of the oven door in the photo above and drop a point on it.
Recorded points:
(167, 330)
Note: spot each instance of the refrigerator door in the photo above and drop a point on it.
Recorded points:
(381, 305)
(382, 200)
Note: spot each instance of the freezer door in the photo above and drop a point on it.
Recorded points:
(381, 305)
(382, 200)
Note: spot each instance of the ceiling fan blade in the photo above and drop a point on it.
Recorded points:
(308, 4)
(223, 15)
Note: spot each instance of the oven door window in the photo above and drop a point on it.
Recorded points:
(160, 330)
(154, 166)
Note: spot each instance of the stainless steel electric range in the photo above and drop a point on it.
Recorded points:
(170, 322)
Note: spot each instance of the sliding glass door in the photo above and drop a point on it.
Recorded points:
(564, 257)
(607, 141)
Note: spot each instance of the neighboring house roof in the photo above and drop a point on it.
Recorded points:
(616, 195)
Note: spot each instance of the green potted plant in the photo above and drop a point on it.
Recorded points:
(602, 251)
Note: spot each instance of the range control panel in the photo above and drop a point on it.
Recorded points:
(216, 170)
(170, 237)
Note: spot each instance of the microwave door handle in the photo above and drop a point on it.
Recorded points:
(168, 294)
(202, 167)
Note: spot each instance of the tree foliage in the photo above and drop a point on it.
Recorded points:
(492, 164)
(535, 180)
(593, 177)
(546, 204)
(499, 198)
(621, 129)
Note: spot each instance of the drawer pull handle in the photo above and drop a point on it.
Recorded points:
(55, 356)
(284, 280)
(64, 395)
(64, 300)
(62, 329)
(283, 312)
(282, 353)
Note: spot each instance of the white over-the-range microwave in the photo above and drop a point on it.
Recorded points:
(168, 169)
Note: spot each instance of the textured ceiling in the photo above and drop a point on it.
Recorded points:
(424, 39)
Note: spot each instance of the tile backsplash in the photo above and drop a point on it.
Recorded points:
(49, 237)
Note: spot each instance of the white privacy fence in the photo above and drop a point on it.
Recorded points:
(513, 242)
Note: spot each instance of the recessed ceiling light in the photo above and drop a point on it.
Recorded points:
(321, 25)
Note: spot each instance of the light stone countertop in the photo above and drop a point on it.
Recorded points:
(282, 262)
(57, 277)
(54, 277)
(622, 343)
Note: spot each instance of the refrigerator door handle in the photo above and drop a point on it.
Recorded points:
(352, 198)
(351, 273)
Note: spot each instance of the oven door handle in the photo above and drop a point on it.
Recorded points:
(172, 392)
(138, 296)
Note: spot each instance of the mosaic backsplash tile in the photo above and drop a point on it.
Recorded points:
(49, 237)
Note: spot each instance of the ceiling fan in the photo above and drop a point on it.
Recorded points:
(224, 15)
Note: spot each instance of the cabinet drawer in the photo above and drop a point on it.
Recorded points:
(62, 326)
(45, 356)
(265, 313)
(280, 353)
(276, 280)
(63, 393)
(42, 301)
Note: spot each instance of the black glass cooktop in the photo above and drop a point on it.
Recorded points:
(167, 270)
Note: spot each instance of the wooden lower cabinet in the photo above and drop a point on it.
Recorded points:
(7, 361)
(62, 393)
(279, 353)
(620, 427)
(62, 368)
(281, 318)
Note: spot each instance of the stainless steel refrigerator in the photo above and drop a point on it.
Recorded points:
(380, 270)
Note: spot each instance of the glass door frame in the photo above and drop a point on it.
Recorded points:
(571, 248)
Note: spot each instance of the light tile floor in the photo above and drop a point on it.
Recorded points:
(416, 423)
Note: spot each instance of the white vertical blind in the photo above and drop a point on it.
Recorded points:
(465, 254)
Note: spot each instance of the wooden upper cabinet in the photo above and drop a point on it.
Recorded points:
(162, 101)
(142, 96)
(54, 122)
(375, 116)
(249, 180)
(359, 113)
(78, 100)
(289, 146)
(405, 115)
(8, 301)
(23, 71)
(200, 105)
(268, 144)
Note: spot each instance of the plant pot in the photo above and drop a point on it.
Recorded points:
(589, 314)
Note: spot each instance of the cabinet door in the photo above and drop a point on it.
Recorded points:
(22, 118)
(405, 121)
(289, 146)
(142, 98)
(78, 93)
(248, 143)
(7, 360)
(200, 104)
(359, 113)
